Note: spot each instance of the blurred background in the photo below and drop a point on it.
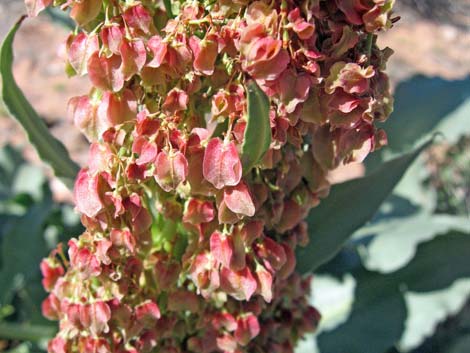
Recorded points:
(430, 76)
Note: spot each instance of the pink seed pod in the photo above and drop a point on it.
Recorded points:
(95, 316)
(94, 345)
(158, 49)
(302, 28)
(138, 18)
(224, 321)
(147, 313)
(88, 191)
(51, 271)
(203, 273)
(271, 253)
(176, 101)
(83, 260)
(265, 283)
(105, 73)
(83, 12)
(351, 77)
(239, 284)
(205, 53)
(83, 112)
(238, 200)
(80, 48)
(171, 169)
(57, 345)
(134, 56)
(112, 36)
(198, 212)
(115, 109)
(247, 329)
(265, 59)
(34, 7)
(227, 343)
(222, 165)
(221, 248)
(50, 307)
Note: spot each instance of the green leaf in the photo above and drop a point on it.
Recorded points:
(23, 247)
(22, 348)
(48, 147)
(258, 130)
(376, 321)
(424, 105)
(348, 207)
(61, 17)
(394, 246)
(460, 345)
(437, 264)
(10, 161)
(379, 311)
(22, 332)
(168, 8)
(421, 103)
(455, 125)
(427, 310)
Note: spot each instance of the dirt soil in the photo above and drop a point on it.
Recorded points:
(430, 46)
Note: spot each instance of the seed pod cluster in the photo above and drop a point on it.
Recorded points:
(188, 247)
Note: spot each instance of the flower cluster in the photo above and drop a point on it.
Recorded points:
(185, 249)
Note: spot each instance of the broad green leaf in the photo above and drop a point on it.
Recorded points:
(412, 187)
(427, 310)
(334, 298)
(23, 246)
(424, 105)
(168, 8)
(376, 321)
(437, 264)
(460, 345)
(30, 226)
(395, 246)
(455, 124)
(34, 333)
(61, 17)
(393, 210)
(18, 178)
(48, 147)
(10, 162)
(379, 311)
(22, 348)
(421, 103)
(258, 130)
(348, 207)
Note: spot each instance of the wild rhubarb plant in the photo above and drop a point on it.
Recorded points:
(212, 126)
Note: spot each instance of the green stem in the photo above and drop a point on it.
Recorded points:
(369, 44)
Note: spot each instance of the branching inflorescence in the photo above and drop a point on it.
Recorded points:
(190, 231)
